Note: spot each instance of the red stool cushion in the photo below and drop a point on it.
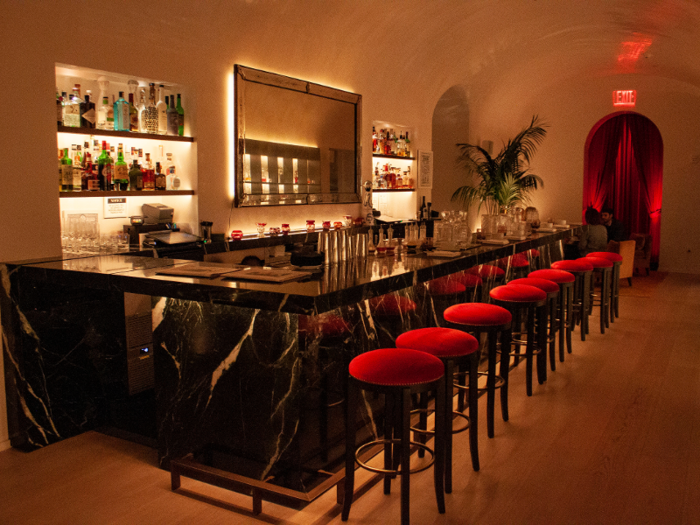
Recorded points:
(610, 256)
(514, 261)
(391, 305)
(543, 284)
(445, 286)
(518, 293)
(330, 325)
(396, 366)
(486, 270)
(597, 262)
(478, 314)
(556, 276)
(573, 266)
(440, 342)
(468, 280)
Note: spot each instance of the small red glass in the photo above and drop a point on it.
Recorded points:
(338, 225)
(326, 226)
(310, 226)
(236, 235)
(285, 229)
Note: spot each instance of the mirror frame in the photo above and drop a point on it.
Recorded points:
(244, 74)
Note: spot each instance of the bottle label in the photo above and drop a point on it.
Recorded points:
(170, 170)
(121, 172)
(67, 175)
(93, 185)
(90, 116)
(176, 183)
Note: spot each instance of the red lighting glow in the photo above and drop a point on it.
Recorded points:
(632, 49)
(624, 97)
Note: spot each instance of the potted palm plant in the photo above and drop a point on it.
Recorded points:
(503, 180)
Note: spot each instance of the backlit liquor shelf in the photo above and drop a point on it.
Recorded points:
(144, 193)
(398, 157)
(126, 134)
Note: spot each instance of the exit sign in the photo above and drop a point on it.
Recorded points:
(626, 97)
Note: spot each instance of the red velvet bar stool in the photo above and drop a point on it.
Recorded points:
(552, 290)
(564, 320)
(398, 373)
(495, 321)
(516, 266)
(472, 283)
(392, 311)
(443, 293)
(327, 335)
(602, 267)
(614, 301)
(517, 298)
(490, 276)
(453, 348)
(582, 272)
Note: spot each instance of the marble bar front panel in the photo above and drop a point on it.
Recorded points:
(249, 377)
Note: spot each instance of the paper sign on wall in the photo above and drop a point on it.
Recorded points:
(115, 207)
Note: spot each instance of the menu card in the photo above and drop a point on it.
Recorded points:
(275, 275)
(200, 271)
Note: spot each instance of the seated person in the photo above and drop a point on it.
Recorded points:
(616, 230)
(594, 238)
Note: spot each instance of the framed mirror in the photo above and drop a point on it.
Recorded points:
(296, 142)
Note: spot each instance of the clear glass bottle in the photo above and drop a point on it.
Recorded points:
(407, 146)
(71, 112)
(151, 111)
(77, 182)
(141, 108)
(162, 110)
(121, 113)
(180, 117)
(172, 118)
(172, 181)
(133, 115)
(149, 182)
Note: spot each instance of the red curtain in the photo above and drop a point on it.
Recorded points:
(625, 171)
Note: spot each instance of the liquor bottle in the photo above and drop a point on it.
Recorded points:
(374, 140)
(77, 182)
(59, 109)
(429, 211)
(141, 108)
(71, 112)
(87, 113)
(172, 118)
(133, 115)
(160, 178)
(66, 171)
(149, 182)
(121, 170)
(151, 111)
(121, 113)
(60, 169)
(422, 210)
(86, 171)
(104, 169)
(180, 117)
(170, 173)
(135, 177)
(407, 146)
(162, 110)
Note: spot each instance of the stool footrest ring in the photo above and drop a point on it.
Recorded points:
(393, 442)
(431, 432)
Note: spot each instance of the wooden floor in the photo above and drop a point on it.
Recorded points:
(612, 437)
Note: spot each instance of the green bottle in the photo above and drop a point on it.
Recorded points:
(104, 169)
(121, 171)
(135, 177)
(66, 171)
(180, 117)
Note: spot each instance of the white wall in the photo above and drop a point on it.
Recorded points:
(514, 67)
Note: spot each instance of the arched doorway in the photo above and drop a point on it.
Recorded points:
(623, 170)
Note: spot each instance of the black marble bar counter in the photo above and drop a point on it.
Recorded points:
(248, 376)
